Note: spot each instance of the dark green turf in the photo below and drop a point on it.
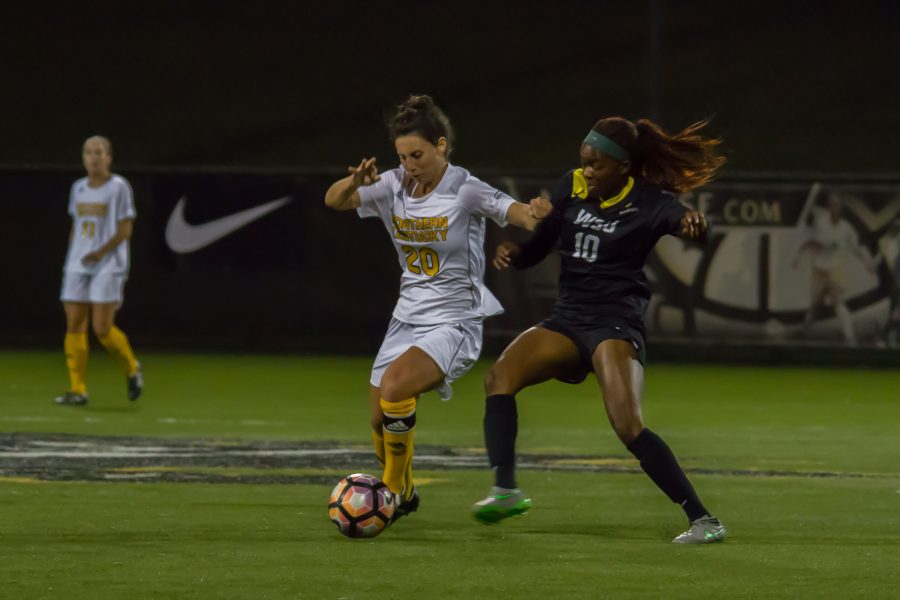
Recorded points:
(720, 417)
(588, 535)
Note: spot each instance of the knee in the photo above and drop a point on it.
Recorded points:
(390, 389)
(499, 381)
(490, 380)
(101, 330)
(76, 323)
(77, 327)
(628, 428)
(625, 417)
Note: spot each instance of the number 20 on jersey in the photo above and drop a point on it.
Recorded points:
(422, 260)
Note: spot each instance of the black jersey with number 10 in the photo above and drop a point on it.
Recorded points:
(604, 246)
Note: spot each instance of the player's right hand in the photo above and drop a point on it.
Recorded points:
(539, 208)
(365, 174)
(505, 254)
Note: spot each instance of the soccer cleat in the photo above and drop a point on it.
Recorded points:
(705, 530)
(501, 503)
(73, 398)
(402, 507)
(136, 384)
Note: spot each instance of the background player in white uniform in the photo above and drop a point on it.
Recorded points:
(831, 239)
(96, 267)
(889, 250)
(435, 214)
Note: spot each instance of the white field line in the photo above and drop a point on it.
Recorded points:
(158, 452)
(247, 422)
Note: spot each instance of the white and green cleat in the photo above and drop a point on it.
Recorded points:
(501, 503)
(705, 530)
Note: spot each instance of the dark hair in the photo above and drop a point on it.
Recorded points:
(678, 162)
(420, 116)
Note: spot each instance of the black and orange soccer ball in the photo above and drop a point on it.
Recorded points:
(361, 506)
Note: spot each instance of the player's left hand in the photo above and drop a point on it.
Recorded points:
(506, 253)
(694, 225)
(91, 258)
(539, 208)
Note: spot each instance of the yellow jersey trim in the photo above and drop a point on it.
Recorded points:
(620, 196)
(579, 185)
(580, 189)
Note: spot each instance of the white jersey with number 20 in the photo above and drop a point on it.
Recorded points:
(440, 243)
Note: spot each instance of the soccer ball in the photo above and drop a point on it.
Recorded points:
(361, 506)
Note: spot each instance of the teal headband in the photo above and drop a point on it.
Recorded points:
(600, 142)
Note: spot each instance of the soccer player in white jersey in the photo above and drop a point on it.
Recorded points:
(96, 267)
(889, 251)
(435, 214)
(832, 238)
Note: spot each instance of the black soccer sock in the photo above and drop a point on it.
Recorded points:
(501, 424)
(662, 467)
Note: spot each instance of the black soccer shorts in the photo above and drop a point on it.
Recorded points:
(587, 334)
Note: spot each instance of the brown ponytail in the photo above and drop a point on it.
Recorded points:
(678, 162)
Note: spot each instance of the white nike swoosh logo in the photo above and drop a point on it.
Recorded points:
(183, 238)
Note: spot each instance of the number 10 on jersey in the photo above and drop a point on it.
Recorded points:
(421, 260)
(586, 246)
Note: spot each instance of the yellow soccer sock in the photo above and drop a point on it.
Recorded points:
(76, 347)
(408, 475)
(398, 461)
(378, 442)
(117, 343)
(398, 429)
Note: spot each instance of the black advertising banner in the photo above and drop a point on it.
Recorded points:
(253, 261)
(238, 262)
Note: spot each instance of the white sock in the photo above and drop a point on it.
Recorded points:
(846, 323)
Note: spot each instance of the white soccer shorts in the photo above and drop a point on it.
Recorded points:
(103, 288)
(454, 347)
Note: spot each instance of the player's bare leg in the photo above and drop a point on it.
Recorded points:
(817, 293)
(621, 379)
(836, 293)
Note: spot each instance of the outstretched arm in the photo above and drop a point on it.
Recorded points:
(533, 251)
(547, 214)
(529, 216)
(343, 194)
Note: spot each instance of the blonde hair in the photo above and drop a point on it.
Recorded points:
(103, 140)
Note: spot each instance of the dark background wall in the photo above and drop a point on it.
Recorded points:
(799, 85)
(281, 95)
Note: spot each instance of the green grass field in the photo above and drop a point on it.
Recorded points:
(801, 465)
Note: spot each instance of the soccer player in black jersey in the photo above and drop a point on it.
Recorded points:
(605, 219)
